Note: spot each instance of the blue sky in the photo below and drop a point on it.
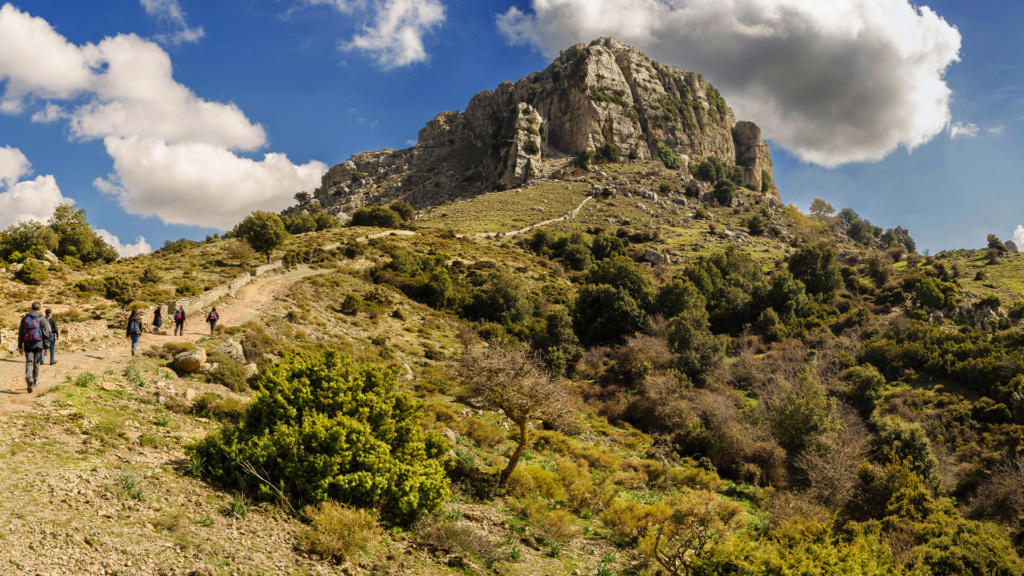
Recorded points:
(319, 80)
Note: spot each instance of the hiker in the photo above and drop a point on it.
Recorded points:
(33, 338)
(134, 329)
(212, 318)
(54, 335)
(158, 319)
(179, 321)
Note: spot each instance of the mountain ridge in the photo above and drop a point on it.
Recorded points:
(605, 95)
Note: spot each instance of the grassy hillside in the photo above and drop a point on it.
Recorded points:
(756, 404)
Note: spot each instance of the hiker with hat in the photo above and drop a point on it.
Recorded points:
(33, 339)
(54, 335)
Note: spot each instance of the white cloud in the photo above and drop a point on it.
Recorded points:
(35, 58)
(833, 81)
(22, 200)
(996, 130)
(170, 11)
(125, 250)
(957, 130)
(201, 184)
(394, 38)
(1018, 237)
(185, 168)
(50, 113)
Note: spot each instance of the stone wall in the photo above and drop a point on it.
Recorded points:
(202, 302)
(261, 270)
(78, 332)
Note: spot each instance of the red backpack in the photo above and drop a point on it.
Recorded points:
(179, 314)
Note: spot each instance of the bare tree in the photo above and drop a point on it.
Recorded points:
(515, 381)
(243, 252)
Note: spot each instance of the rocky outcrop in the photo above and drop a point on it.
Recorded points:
(1011, 246)
(606, 95)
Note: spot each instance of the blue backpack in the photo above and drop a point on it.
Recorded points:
(32, 333)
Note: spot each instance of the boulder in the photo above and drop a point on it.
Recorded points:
(656, 258)
(251, 371)
(165, 372)
(51, 257)
(1011, 246)
(191, 361)
(233, 350)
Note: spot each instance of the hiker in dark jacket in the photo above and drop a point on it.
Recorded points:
(54, 336)
(33, 338)
(134, 329)
(179, 321)
(158, 319)
(212, 318)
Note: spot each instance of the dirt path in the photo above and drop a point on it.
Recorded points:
(114, 350)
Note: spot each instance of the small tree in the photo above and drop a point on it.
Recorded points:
(685, 531)
(302, 197)
(264, 231)
(669, 157)
(122, 290)
(821, 209)
(513, 380)
(242, 251)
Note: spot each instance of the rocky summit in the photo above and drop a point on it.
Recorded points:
(606, 95)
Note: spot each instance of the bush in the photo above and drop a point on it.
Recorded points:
(531, 147)
(816, 267)
(908, 442)
(377, 216)
(336, 531)
(229, 373)
(725, 191)
(609, 152)
(322, 427)
(32, 272)
(211, 405)
(584, 159)
(669, 157)
(801, 412)
(755, 224)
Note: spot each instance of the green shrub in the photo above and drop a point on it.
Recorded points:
(766, 181)
(669, 157)
(755, 224)
(32, 272)
(229, 373)
(378, 216)
(531, 147)
(800, 413)
(908, 442)
(609, 152)
(584, 159)
(322, 427)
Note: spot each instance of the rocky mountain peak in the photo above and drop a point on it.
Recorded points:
(590, 97)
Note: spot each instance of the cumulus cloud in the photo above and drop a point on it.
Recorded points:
(201, 184)
(956, 130)
(186, 157)
(394, 37)
(125, 250)
(170, 12)
(1018, 237)
(34, 58)
(833, 81)
(22, 200)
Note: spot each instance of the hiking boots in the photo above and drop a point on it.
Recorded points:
(30, 384)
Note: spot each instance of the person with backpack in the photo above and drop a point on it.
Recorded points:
(158, 319)
(33, 338)
(54, 335)
(134, 329)
(179, 321)
(212, 318)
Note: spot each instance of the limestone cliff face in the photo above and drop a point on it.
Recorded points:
(590, 96)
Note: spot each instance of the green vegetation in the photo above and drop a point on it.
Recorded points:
(326, 428)
(264, 231)
(669, 157)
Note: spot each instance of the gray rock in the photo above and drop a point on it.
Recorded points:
(233, 350)
(191, 361)
(657, 258)
(1012, 246)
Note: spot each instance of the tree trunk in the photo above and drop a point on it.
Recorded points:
(524, 439)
